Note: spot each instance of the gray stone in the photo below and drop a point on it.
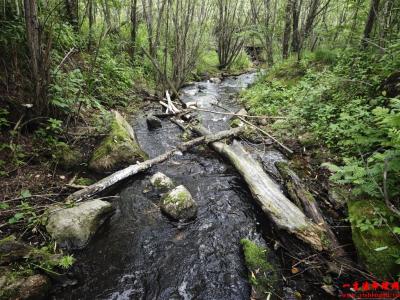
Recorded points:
(215, 80)
(73, 227)
(161, 181)
(179, 204)
(153, 122)
(118, 149)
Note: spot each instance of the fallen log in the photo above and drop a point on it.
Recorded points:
(118, 176)
(282, 211)
(262, 131)
(300, 194)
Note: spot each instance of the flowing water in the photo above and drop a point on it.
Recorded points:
(141, 254)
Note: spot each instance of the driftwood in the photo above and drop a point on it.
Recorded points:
(235, 114)
(118, 176)
(262, 131)
(303, 198)
(282, 211)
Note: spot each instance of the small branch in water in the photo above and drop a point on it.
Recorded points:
(262, 131)
(234, 114)
(107, 182)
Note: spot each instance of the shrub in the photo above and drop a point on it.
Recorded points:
(326, 56)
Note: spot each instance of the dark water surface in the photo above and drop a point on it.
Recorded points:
(141, 254)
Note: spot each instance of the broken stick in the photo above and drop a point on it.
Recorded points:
(266, 193)
(118, 176)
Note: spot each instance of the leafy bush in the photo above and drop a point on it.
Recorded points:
(343, 108)
(207, 63)
(241, 63)
(325, 56)
(66, 89)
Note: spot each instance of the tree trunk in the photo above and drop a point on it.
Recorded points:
(369, 24)
(296, 34)
(287, 30)
(267, 194)
(91, 22)
(72, 13)
(107, 14)
(33, 38)
(303, 198)
(118, 176)
(134, 27)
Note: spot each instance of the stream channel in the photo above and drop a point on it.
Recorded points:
(142, 254)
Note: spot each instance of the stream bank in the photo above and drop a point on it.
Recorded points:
(142, 254)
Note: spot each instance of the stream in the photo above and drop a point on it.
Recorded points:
(142, 254)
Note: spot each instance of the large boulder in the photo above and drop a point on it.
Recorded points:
(179, 204)
(377, 246)
(73, 227)
(161, 181)
(118, 148)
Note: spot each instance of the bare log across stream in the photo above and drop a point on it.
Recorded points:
(273, 202)
(303, 198)
(118, 176)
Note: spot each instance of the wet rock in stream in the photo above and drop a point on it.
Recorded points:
(153, 122)
(161, 181)
(179, 204)
(143, 254)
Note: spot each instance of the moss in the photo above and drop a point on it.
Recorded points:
(381, 263)
(179, 198)
(263, 275)
(186, 135)
(118, 147)
(67, 157)
(179, 204)
(235, 122)
(84, 181)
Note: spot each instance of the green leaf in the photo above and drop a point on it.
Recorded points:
(25, 194)
(66, 261)
(381, 248)
(16, 218)
(4, 205)
(396, 230)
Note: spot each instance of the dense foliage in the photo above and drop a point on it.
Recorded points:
(330, 68)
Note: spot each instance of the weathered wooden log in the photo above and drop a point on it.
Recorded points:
(281, 210)
(301, 196)
(118, 176)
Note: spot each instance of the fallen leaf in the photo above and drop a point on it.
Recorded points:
(295, 270)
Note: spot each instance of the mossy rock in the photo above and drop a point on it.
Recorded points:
(67, 157)
(377, 247)
(12, 250)
(179, 204)
(14, 285)
(161, 181)
(307, 139)
(118, 148)
(262, 274)
(84, 181)
(236, 122)
(73, 227)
